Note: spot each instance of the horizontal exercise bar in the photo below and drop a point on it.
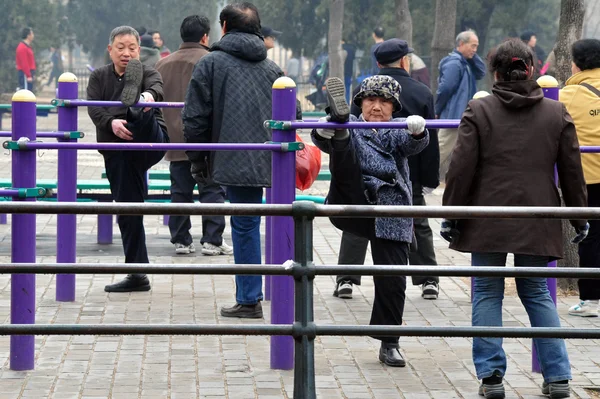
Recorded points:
(288, 329)
(282, 270)
(44, 135)
(432, 124)
(304, 208)
(129, 146)
(94, 103)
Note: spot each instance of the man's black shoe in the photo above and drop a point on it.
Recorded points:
(243, 311)
(131, 283)
(336, 100)
(390, 355)
(132, 90)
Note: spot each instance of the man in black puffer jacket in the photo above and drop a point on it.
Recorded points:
(228, 100)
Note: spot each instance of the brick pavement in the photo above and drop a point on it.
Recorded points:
(238, 367)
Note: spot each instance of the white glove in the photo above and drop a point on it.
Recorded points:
(427, 190)
(325, 133)
(415, 124)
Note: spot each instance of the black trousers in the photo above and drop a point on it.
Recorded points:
(126, 172)
(347, 188)
(182, 191)
(353, 248)
(589, 249)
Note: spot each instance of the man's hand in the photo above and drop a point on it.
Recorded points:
(119, 129)
(415, 124)
(147, 98)
(581, 234)
(449, 232)
(30, 79)
(200, 171)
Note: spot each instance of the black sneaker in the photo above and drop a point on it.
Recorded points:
(131, 283)
(243, 311)
(343, 290)
(336, 100)
(430, 290)
(134, 74)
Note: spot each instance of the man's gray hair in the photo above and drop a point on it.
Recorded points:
(465, 37)
(123, 30)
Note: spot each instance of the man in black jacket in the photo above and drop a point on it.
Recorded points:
(416, 99)
(228, 100)
(126, 79)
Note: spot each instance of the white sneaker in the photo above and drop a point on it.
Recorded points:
(212, 249)
(181, 249)
(584, 309)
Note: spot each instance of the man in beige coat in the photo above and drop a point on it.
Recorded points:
(176, 70)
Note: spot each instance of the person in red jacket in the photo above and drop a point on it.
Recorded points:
(26, 60)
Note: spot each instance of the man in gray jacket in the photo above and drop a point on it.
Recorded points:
(176, 71)
(228, 100)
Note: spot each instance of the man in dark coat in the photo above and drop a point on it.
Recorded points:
(228, 100)
(416, 99)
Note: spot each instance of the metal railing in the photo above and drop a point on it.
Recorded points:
(303, 270)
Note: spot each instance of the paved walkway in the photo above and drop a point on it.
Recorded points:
(238, 367)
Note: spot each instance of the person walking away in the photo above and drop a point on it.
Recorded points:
(457, 83)
(508, 144)
(25, 61)
(127, 80)
(57, 66)
(176, 71)
(149, 55)
(393, 59)
(228, 101)
(581, 96)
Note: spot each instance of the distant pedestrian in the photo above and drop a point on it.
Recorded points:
(457, 84)
(149, 54)
(159, 43)
(350, 50)
(530, 38)
(25, 61)
(292, 68)
(270, 36)
(57, 65)
(378, 36)
(581, 96)
(418, 70)
(176, 71)
(508, 144)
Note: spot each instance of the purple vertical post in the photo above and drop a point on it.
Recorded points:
(2, 218)
(268, 246)
(551, 89)
(283, 191)
(105, 229)
(66, 242)
(22, 286)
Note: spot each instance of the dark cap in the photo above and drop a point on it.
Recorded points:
(146, 41)
(267, 31)
(391, 50)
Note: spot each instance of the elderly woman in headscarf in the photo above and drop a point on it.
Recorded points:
(370, 167)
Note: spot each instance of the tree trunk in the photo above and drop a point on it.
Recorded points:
(336, 25)
(570, 28)
(443, 36)
(403, 21)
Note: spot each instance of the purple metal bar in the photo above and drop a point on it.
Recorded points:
(166, 220)
(431, 123)
(283, 191)
(153, 147)
(42, 135)
(105, 229)
(551, 91)
(66, 227)
(90, 103)
(268, 246)
(9, 193)
(3, 219)
(590, 149)
(22, 290)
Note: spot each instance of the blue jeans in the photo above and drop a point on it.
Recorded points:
(488, 355)
(245, 235)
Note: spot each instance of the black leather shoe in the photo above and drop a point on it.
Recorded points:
(243, 311)
(336, 100)
(131, 283)
(132, 89)
(390, 355)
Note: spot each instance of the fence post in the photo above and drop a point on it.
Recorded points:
(66, 227)
(304, 326)
(22, 286)
(283, 191)
(551, 89)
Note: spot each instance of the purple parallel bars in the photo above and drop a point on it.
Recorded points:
(66, 243)
(551, 90)
(22, 288)
(283, 191)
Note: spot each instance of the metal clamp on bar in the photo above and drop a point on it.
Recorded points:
(73, 135)
(35, 192)
(57, 102)
(278, 125)
(20, 144)
(288, 146)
